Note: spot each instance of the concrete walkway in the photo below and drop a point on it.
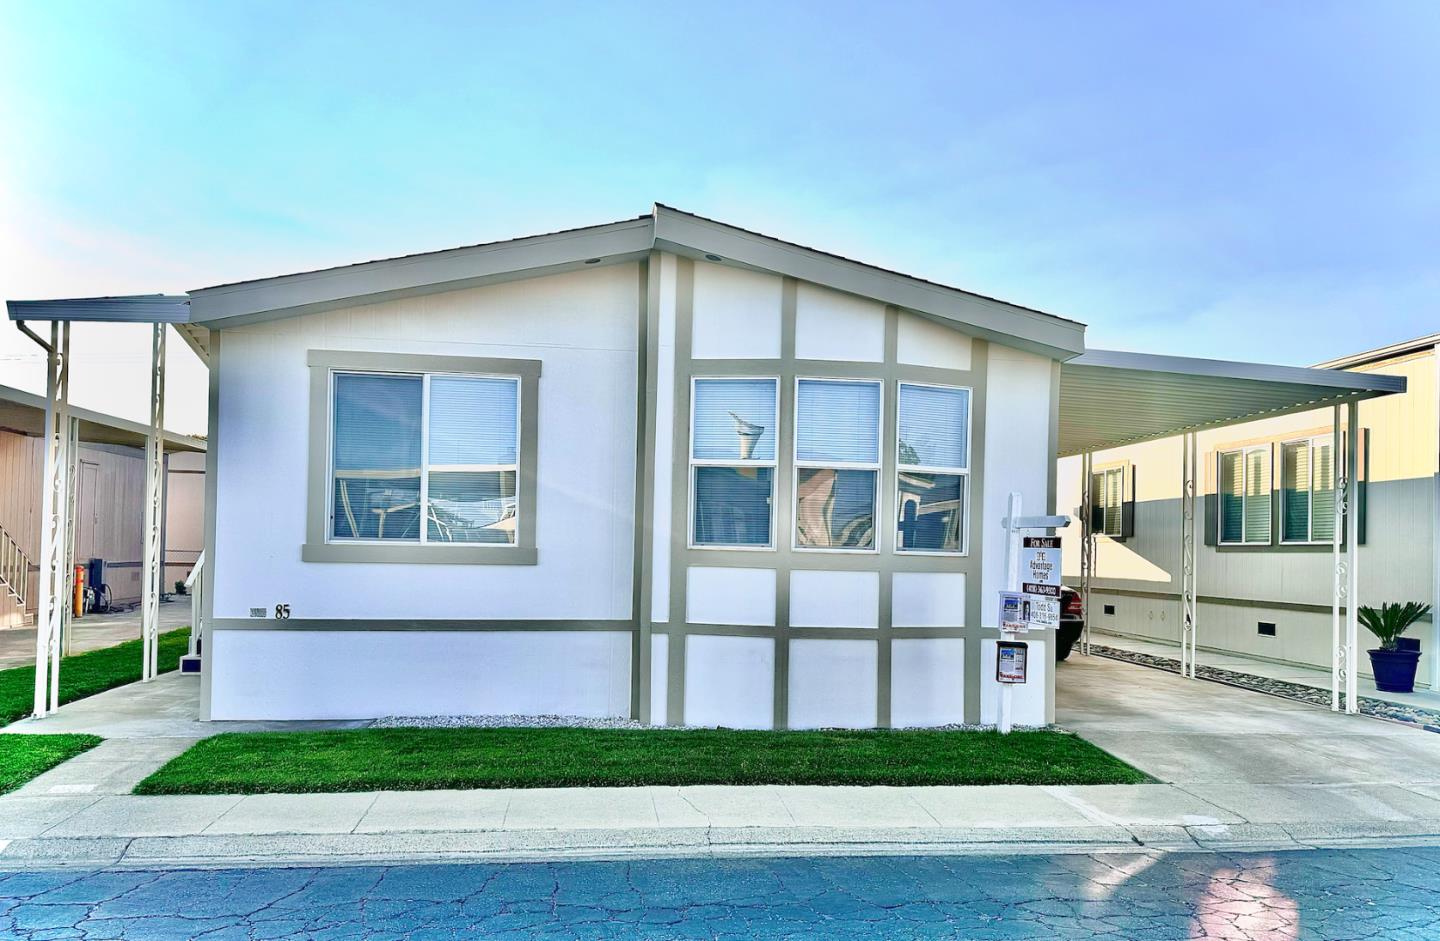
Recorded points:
(92, 632)
(1239, 771)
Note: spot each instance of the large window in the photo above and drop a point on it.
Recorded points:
(933, 468)
(1244, 485)
(1307, 490)
(837, 463)
(1107, 502)
(733, 426)
(425, 459)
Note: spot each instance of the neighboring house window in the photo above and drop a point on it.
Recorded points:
(837, 463)
(1107, 502)
(933, 472)
(733, 424)
(1307, 490)
(1244, 485)
(427, 459)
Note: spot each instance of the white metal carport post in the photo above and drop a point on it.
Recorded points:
(154, 510)
(1343, 665)
(1087, 549)
(1189, 550)
(55, 571)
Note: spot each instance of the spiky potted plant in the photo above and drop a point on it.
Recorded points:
(1394, 667)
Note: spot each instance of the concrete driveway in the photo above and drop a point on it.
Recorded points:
(1259, 756)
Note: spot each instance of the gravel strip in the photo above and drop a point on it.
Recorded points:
(561, 722)
(1427, 719)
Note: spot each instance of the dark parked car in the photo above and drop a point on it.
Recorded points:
(1072, 622)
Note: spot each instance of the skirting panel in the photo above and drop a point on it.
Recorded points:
(730, 682)
(369, 674)
(833, 684)
(927, 682)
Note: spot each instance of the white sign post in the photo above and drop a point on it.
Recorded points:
(1034, 595)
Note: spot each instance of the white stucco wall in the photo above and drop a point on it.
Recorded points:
(367, 674)
(581, 326)
(1017, 458)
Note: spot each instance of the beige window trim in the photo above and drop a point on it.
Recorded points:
(317, 548)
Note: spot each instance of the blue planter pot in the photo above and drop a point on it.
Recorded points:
(1394, 669)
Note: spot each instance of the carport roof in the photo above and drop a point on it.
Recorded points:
(1109, 398)
(24, 412)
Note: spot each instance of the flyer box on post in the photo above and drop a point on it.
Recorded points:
(1010, 657)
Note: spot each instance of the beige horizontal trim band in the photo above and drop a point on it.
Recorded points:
(414, 624)
(831, 560)
(418, 554)
(813, 633)
(421, 362)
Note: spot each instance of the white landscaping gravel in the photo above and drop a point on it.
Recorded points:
(562, 722)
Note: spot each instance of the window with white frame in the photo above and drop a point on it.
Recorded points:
(424, 458)
(1244, 489)
(1307, 490)
(1107, 502)
(837, 463)
(733, 425)
(933, 468)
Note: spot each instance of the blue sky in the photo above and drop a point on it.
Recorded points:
(1255, 181)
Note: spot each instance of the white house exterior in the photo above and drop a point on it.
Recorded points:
(601, 597)
(1266, 576)
(664, 468)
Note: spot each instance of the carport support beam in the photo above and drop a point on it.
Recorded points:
(55, 578)
(1352, 552)
(154, 514)
(1189, 580)
(1344, 615)
(1087, 548)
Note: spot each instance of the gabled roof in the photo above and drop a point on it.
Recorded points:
(664, 228)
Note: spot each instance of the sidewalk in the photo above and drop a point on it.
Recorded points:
(92, 632)
(1242, 771)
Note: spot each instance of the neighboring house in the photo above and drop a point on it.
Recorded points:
(109, 501)
(1266, 569)
(665, 468)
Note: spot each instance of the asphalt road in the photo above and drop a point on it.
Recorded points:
(1391, 894)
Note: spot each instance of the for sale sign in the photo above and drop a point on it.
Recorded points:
(1040, 579)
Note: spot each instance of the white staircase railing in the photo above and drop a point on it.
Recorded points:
(195, 585)
(14, 569)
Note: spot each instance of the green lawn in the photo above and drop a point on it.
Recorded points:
(419, 759)
(23, 757)
(86, 674)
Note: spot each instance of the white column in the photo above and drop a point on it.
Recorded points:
(1189, 551)
(1352, 555)
(1087, 549)
(72, 452)
(154, 494)
(54, 579)
(1340, 584)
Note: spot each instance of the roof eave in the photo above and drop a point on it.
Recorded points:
(135, 308)
(454, 269)
(1008, 324)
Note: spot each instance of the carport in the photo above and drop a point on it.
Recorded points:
(61, 428)
(1109, 399)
